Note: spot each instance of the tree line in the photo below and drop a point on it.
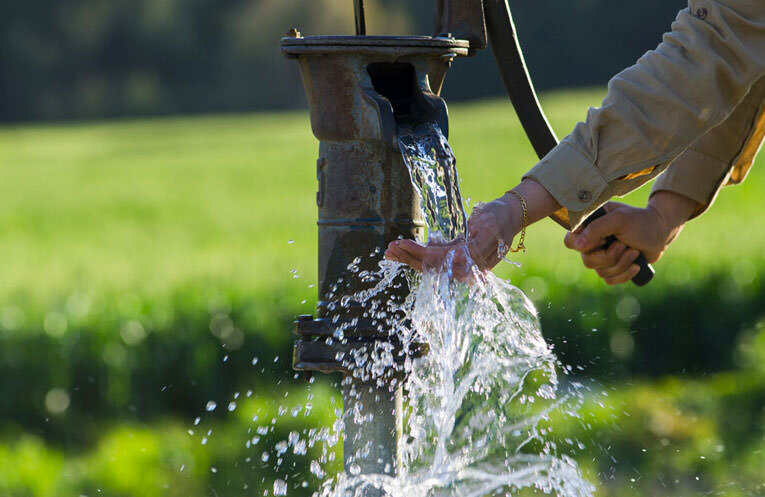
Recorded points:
(85, 59)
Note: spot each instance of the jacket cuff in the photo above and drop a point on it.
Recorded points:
(573, 180)
(695, 175)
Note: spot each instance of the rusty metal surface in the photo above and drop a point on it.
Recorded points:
(324, 328)
(313, 352)
(358, 88)
(400, 45)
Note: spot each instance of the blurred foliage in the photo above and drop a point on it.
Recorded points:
(89, 58)
(147, 262)
(214, 456)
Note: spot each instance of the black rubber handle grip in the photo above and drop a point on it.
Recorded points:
(646, 270)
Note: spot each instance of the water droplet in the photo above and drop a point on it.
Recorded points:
(280, 487)
(197, 420)
(231, 406)
(316, 469)
(211, 405)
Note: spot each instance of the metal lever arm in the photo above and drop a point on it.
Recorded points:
(515, 76)
(358, 14)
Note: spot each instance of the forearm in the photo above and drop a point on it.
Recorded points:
(720, 156)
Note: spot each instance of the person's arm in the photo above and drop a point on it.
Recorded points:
(655, 109)
(721, 157)
(685, 190)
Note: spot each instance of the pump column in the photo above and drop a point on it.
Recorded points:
(358, 88)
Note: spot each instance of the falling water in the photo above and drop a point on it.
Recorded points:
(480, 405)
(433, 170)
(482, 391)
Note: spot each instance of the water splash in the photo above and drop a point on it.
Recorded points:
(482, 391)
(479, 405)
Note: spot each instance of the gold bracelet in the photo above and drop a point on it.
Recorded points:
(521, 246)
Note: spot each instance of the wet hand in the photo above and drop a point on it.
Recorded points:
(490, 228)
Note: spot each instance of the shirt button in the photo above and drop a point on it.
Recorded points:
(701, 13)
(584, 195)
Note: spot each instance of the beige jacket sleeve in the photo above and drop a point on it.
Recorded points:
(723, 156)
(654, 110)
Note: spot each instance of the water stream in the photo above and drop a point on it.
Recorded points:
(480, 406)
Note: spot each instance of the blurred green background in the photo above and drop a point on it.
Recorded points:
(63, 59)
(147, 262)
(149, 266)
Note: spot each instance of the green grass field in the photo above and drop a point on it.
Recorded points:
(149, 205)
(159, 224)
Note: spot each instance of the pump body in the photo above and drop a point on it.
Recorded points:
(359, 88)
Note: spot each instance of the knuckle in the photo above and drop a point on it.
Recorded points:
(568, 240)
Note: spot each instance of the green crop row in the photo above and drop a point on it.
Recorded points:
(137, 358)
(675, 437)
(238, 453)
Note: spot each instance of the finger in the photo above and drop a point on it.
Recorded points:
(411, 247)
(604, 257)
(596, 233)
(624, 277)
(624, 263)
(570, 239)
(459, 263)
(397, 252)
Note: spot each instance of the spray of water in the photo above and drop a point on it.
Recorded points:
(478, 404)
(481, 388)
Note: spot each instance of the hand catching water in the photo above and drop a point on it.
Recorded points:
(491, 229)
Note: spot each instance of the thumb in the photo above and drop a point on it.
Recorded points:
(594, 235)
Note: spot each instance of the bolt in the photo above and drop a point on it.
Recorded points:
(292, 33)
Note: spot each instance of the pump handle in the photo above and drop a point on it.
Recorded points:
(358, 14)
(646, 270)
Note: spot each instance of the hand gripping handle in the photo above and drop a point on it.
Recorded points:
(646, 270)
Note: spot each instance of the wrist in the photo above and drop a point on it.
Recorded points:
(539, 202)
(672, 208)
